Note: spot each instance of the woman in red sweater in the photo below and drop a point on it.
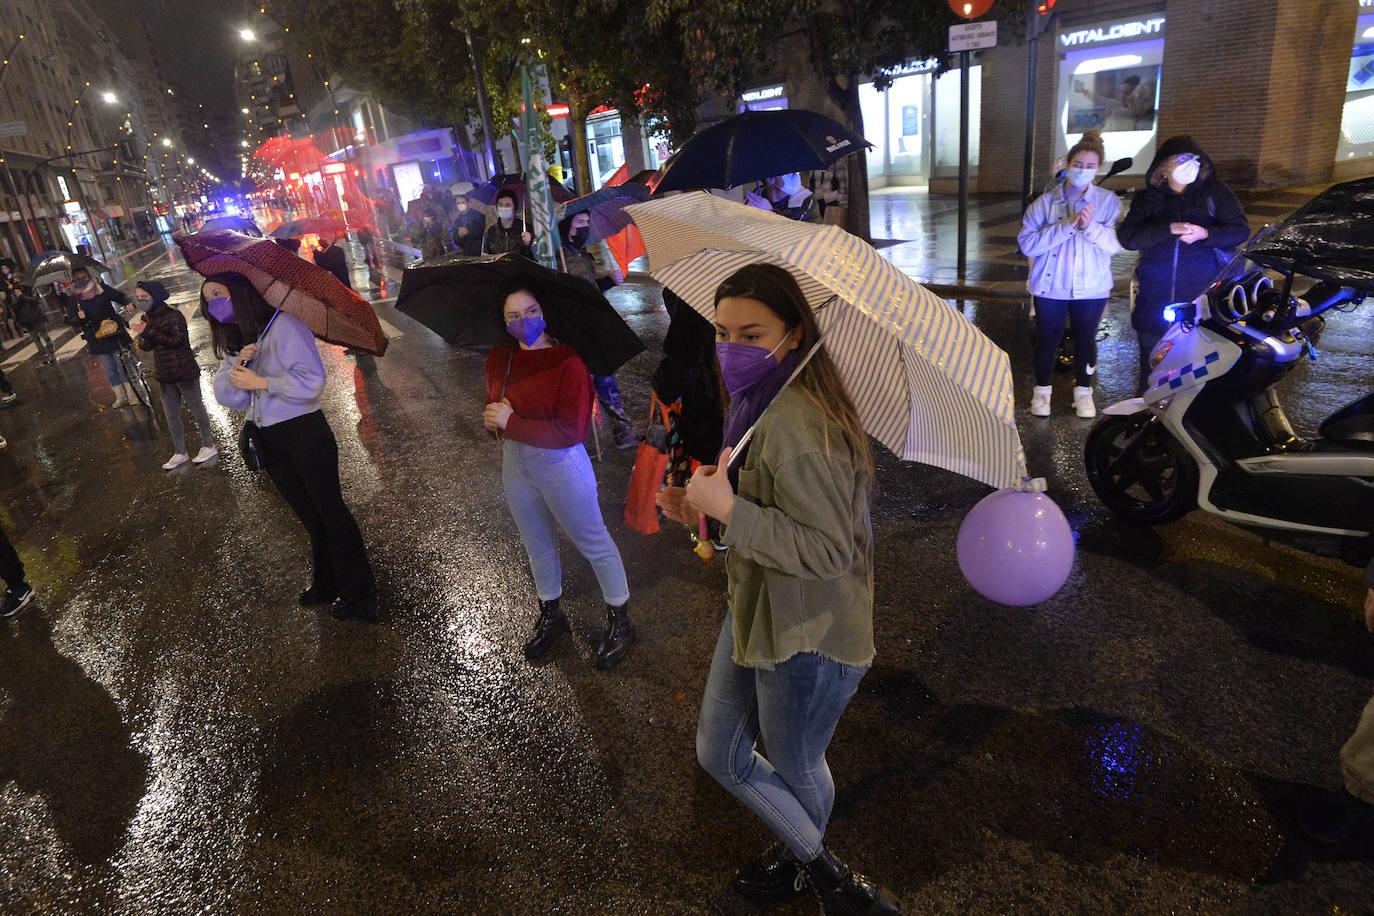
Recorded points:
(539, 398)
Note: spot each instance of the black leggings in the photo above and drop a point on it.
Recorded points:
(303, 462)
(1051, 316)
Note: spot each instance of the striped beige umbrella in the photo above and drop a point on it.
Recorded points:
(928, 384)
(331, 311)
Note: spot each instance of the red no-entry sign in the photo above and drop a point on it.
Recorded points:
(970, 9)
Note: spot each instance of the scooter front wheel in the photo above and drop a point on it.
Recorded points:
(1139, 470)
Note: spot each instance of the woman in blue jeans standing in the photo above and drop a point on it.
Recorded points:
(539, 397)
(799, 633)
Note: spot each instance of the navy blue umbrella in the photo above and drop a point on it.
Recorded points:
(755, 145)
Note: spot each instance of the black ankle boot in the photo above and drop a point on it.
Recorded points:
(844, 893)
(550, 624)
(616, 641)
(773, 878)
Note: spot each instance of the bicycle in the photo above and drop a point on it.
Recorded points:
(133, 370)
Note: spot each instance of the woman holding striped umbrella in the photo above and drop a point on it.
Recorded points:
(798, 633)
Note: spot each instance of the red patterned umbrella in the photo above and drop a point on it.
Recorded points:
(332, 311)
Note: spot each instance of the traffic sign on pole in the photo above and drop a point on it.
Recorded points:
(970, 9)
(973, 35)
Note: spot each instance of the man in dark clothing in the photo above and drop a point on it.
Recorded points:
(507, 233)
(468, 227)
(18, 592)
(333, 259)
(1186, 225)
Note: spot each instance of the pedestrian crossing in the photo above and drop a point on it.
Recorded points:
(17, 352)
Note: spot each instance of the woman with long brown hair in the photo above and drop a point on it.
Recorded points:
(798, 632)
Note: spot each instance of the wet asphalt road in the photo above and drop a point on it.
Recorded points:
(177, 735)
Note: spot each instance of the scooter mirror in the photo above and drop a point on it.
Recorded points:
(1117, 168)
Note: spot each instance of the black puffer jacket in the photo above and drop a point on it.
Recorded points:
(166, 336)
(1169, 270)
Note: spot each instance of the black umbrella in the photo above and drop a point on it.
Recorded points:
(1326, 238)
(51, 266)
(456, 297)
(755, 145)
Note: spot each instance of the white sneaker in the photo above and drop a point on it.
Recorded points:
(205, 454)
(176, 461)
(1083, 403)
(1040, 401)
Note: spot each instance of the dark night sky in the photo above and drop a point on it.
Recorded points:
(194, 41)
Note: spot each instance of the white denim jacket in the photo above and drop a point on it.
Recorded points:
(1068, 262)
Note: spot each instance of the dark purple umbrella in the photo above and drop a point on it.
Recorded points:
(606, 208)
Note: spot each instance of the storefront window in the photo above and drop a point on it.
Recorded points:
(1357, 122)
(907, 101)
(874, 109)
(1109, 76)
(605, 148)
(947, 115)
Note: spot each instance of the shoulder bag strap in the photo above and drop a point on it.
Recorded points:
(257, 400)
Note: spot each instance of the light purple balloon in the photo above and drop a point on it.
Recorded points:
(1015, 548)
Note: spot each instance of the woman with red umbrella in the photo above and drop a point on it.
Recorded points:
(272, 370)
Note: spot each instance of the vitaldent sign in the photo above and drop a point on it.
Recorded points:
(1120, 31)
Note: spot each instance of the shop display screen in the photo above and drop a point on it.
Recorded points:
(1114, 100)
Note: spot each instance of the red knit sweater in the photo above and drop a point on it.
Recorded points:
(550, 391)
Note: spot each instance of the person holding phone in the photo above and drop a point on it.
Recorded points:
(271, 368)
(162, 330)
(798, 630)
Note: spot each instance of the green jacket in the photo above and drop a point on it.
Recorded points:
(801, 545)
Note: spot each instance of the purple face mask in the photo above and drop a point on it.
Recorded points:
(743, 366)
(526, 329)
(221, 308)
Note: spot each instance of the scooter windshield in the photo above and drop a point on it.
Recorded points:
(1327, 238)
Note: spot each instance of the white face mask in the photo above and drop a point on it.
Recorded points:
(1185, 173)
(1080, 178)
(505, 213)
(462, 208)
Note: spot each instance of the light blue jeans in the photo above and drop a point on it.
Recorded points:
(113, 370)
(794, 707)
(552, 488)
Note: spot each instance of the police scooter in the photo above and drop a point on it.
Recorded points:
(1209, 431)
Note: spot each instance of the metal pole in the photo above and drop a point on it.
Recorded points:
(1032, 46)
(963, 164)
(483, 104)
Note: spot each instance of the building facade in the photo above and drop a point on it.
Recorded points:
(75, 131)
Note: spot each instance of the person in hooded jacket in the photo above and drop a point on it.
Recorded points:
(94, 311)
(162, 330)
(1186, 225)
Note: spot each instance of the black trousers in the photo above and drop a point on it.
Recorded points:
(11, 567)
(1051, 317)
(303, 462)
(4, 383)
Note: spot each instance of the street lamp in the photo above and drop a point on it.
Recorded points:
(109, 98)
(247, 35)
